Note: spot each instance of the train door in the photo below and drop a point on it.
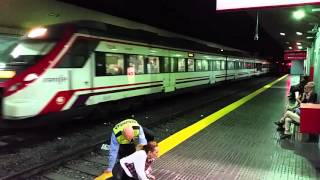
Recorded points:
(169, 78)
(212, 74)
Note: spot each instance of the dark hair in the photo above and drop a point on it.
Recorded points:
(150, 146)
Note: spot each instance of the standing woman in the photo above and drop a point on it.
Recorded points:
(136, 165)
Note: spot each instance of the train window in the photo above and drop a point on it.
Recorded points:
(236, 65)
(26, 52)
(218, 65)
(223, 65)
(230, 65)
(136, 63)
(174, 64)
(114, 64)
(248, 65)
(166, 65)
(259, 67)
(205, 65)
(241, 65)
(190, 64)
(181, 65)
(100, 64)
(198, 65)
(78, 54)
(213, 65)
(153, 65)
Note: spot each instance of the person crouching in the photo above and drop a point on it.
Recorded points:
(138, 164)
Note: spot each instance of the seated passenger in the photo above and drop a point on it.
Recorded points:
(294, 117)
(298, 88)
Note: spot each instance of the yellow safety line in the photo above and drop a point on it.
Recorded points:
(179, 137)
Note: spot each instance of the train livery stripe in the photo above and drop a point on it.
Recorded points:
(83, 98)
(203, 79)
(62, 97)
(178, 79)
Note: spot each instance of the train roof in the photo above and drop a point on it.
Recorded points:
(137, 35)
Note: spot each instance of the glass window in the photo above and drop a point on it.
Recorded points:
(174, 64)
(190, 65)
(153, 65)
(78, 54)
(25, 52)
(230, 65)
(223, 65)
(135, 64)
(114, 64)
(218, 65)
(213, 65)
(247, 65)
(241, 65)
(166, 65)
(181, 65)
(198, 65)
(205, 65)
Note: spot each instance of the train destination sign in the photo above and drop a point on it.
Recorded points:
(224, 5)
(294, 55)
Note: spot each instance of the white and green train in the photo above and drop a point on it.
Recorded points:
(69, 66)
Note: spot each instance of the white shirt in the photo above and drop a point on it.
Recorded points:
(138, 158)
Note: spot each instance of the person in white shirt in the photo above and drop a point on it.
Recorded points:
(137, 165)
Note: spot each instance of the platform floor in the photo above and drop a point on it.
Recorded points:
(243, 145)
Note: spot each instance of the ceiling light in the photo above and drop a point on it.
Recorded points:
(282, 34)
(299, 14)
(298, 43)
(287, 42)
(221, 50)
(309, 37)
(299, 33)
(290, 47)
(299, 47)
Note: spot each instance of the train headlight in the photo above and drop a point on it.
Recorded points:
(30, 77)
(37, 32)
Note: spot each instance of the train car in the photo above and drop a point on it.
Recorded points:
(79, 65)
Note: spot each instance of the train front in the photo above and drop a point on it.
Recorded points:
(21, 66)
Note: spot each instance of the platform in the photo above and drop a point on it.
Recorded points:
(242, 144)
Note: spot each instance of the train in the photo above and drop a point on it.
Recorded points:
(79, 65)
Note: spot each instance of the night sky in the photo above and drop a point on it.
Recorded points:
(193, 18)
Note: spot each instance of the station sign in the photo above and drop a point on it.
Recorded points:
(290, 55)
(227, 5)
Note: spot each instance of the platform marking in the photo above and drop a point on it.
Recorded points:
(184, 134)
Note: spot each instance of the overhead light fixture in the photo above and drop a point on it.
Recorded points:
(282, 34)
(290, 47)
(298, 43)
(299, 14)
(299, 33)
(299, 47)
(221, 50)
(287, 42)
(309, 37)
